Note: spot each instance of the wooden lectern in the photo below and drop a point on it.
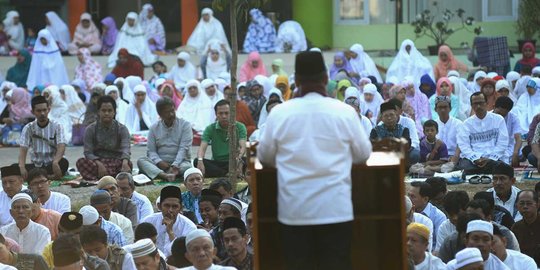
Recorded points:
(379, 238)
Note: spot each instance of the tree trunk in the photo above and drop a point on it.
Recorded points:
(233, 136)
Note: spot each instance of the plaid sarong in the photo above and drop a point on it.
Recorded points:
(493, 53)
(89, 170)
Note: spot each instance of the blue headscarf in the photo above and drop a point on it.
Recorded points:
(426, 79)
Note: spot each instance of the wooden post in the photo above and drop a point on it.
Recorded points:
(75, 9)
(233, 136)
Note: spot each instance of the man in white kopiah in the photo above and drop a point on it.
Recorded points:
(200, 251)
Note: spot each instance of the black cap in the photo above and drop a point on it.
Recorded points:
(504, 169)
(170, 192)
(70, 221)
(309, 63)
(387, 106)
(234, 222)
(66, 250)
(10, 171)
(210, 192)
(504, 103)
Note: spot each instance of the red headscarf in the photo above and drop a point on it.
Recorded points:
(177, 98)
(529, 61)
(133, 66)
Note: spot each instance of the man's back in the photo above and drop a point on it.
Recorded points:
(313, 141)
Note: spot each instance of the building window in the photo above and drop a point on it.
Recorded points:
(499, 10)
(351, 11)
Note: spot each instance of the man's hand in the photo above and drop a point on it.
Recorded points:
(481, 162)
(102, 171)
(515, 160)
(174, 170)
(163, 165)
(125, 166)
(24, 172)
(57, 172)
(169, 222)
(200, 166)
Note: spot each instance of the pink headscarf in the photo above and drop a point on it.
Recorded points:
(451, 63)
(89, 71)
(20, 104)
(177, 98)
(247, 72)
(447, 81)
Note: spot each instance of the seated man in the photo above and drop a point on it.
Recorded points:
(193, 180)
(146, 255)
(469, 258)
(46, 142)
(91, 217)
(511, 258)
(480, 235)
(12, 183)
(169, 144)
(67, 252)
(225, 188)
(504, 191)
(121, 205)
(534, 156)
(101, 200)
(448, 126)
(244, 195)
(483, 138)
(170, 224)
(455, 203)
(45, 217)
(196, 241)
(20, 260)
(391, 128)
(456, 241)
(126, 186)
(414, 151)
(439, 191)
(94, 243)
(32, 237)
(503, 107)
(235, 239)
(40, 185)
(526, 230)
(433, 152)
(216, 134)
(106, 144)
(209, 206)
(228, 208)
(417, 244)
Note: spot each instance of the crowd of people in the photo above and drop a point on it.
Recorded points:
(454, 117)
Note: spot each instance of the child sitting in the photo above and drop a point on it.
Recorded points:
(31, 39)
(433, 152)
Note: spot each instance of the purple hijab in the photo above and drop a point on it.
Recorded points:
(109, 38)
(334, 70)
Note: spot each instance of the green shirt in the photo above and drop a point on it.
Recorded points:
(218, 137)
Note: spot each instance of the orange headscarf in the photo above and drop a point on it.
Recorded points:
(451, 63)
(284, 80)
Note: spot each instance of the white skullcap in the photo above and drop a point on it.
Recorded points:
(139, 88)
(492, 75)
(234, 203)
(196, 234)
(468, 256)
(207, 83)
(21, 196)
(111, 88)
(90, 215)
(183, 55)
(480, 226)
(159, 82)
(207, 11)
(502, 84)
(536, 70)
(141, 248)
(453, 73)
(191, 171)
(315, 49)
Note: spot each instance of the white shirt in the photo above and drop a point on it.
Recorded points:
(144, 206)
(5, 205)
(6, 267)
(486, 137)
(128, 263)
(428, 223)
(366, 124)
(517, 260)
(510, 203)
(58, 202)
(436, 216)
(125, 224)
(411, 125)
(182, 226)
(445, 229)
(430, 263)
(513, 127)
(212, 267)
(32, 239)
(492, 263)
(448, 133)
(313, 142)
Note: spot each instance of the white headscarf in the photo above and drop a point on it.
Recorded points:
(59, 112)
(474, 86)
(217, 96)
(133, 39)
(511, 77)
(196, 110)
(505, 84)
(121, 105)
(153, 27)
(372, 107)
(148, 109)
(58, 29)
(14, 31)
(463, 94)
(76, 107)
(264, 112)
(3, 101)
(528, 106)
(215, 68)
(181, 75)
(265, 83)
(47, 66)
(410, 64)
(204, 31)
(363, 64)
(291, 32)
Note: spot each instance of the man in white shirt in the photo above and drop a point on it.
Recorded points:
(411, 216)
(503, 107)
(504, 191)
(101, 200)
(200, 251)
(414, 151)
(480, 235)
(12, 183)
(455, 203)
(331, 139)
(40, 185)
(170, 224)
(30, 236)
(126, 185)
(483, 138)
(448, 126)
(420, 193)
(513, 259)
(417, 244)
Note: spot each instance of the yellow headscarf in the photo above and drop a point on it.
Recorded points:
(284, 80)
(343, 83)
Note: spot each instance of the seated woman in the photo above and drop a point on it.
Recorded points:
(153, 28)
(488, 89)
(372, 101)
(76, 108)
(282, 83)
(275, 94)
(207, 29)
(242, 111)
(351, 99)
(409, 62)
(121, 105)
(59, 111)
(399, 91)
(19, 72)
(142, 113)
(167, 89)
(88, 70)
(528, 59)
(217, 59)
(131, 37)
(261, 34)
(128, 65)
(252, 67)
(419, 103)
(14, 30)
(47, 66)
(464, 97)
(20, 113)
(255, 99)
(427, 85)
(528, 104)
(445, 88)
(86, 36)
(290, 38)
(447, 62)
(108, 35)
(362, 64)
(106, 144)
(196, 107)
(340, 64)
(58, 29)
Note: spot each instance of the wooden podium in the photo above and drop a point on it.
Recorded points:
(379, 238)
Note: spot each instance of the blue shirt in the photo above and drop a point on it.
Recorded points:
(114, 233)
(436, 216)
(191, 203)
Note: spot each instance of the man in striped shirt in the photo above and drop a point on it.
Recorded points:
(46, 142)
